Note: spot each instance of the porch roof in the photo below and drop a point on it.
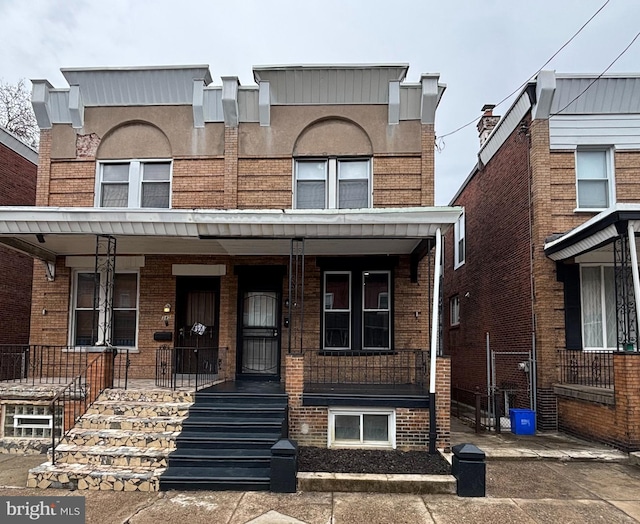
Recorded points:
(46, 232)
(595, 232)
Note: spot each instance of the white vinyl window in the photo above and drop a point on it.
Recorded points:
(333, 183)
(459, 241)
(594, 179)
(597, 293)
(454, 310)
(361, 428)
(134, 184)
(87, 326)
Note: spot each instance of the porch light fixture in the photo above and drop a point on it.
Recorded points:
(167, 308)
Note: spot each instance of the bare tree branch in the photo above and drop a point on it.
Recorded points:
(16, 113)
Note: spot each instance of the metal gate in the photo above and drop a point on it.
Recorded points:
(511, 385)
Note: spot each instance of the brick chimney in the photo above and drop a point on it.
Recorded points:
(487, 122)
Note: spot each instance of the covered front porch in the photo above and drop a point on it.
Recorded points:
(597, 262)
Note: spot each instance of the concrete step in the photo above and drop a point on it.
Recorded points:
(139, 408)
(120, 456)
(130, 423)
(85, 476)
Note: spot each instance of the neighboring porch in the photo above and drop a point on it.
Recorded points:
(597, 391)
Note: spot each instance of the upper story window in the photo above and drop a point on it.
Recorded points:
(134, 184)
(459, 242)
(333, 183)
(594, 178)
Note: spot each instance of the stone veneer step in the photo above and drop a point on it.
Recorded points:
(120, 456)
(86, 476)
(139, 408)
(120, 444)
(130, 423)
(152, 395)
(121, 437)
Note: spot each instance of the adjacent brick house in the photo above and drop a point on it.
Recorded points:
(282, 231)
(18, 165)
(540, 263)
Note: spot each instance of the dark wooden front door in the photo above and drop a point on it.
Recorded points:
(197, 318)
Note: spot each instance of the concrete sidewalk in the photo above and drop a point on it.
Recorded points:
(542, 491)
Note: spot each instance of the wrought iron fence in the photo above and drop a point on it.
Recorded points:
(586, 368)
(70, 403)
(191, 367)
(41, 364)
(397, 367)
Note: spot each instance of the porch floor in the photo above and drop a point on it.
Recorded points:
(246, 386)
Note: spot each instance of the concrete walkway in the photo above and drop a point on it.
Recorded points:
(582, 483)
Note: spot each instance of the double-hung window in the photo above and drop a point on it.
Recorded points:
(594, 178)
(459, 242)
(598, 307)
(88, 323)
(134, 184)
(333, 183)
(356, 310)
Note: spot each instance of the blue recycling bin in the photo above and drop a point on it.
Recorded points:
(523, 421)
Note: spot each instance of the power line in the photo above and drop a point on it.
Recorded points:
(534, 74)
(599, 76)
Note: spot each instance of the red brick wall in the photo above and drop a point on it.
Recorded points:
(493, 285)
(617, 425)
(17, 188)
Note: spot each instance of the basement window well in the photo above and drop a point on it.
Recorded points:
(361, 428)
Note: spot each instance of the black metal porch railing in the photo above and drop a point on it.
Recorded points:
(71, 402)
(586, 368)
(191, 367)
(405, 367)
(41, 364)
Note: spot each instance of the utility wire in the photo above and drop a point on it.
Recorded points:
(599, 76)
(534, 74)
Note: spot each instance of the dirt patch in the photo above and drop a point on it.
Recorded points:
(371, 461)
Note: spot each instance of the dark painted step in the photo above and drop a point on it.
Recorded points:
(240, 399)
(242, 410)
(213, 478)
(214, 427)
(223, 457)
(195, 441)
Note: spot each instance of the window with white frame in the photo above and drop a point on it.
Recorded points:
(459, 241)
(87, 324)
(134, 184)
(594, 178)
(332, 183)
(356, 310)
(362, 428)
(27, 420)
(454, 310)
(598, 307)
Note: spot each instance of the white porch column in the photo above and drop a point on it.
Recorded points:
(635, 273)
(435, 312)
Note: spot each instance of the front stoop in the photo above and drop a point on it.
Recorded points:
(120, 444)
(378, 483)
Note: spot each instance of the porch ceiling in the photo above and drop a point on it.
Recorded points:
(48, 232)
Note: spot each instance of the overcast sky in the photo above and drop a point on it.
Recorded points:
(482, 49)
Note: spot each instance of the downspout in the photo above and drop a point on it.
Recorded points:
(634, 270)
(434, 343)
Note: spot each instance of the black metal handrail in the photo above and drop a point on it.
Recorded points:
(397, 367)
(71, 402)
(586, 368)
(43, 364)
(192, 367)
